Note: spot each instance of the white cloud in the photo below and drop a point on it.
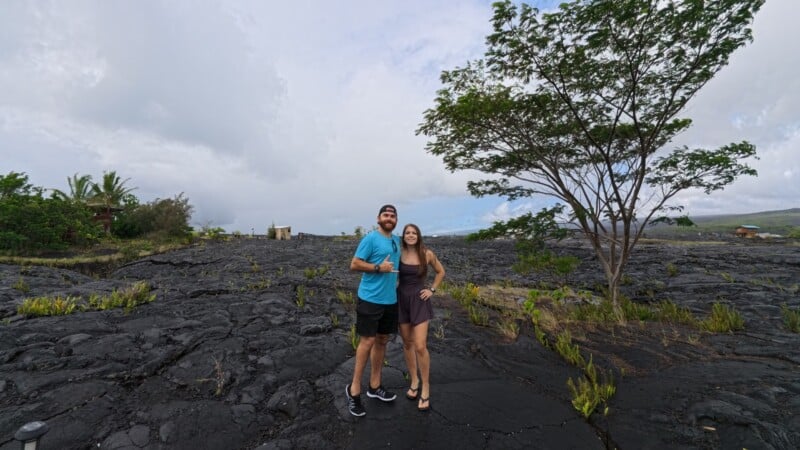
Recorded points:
(303, 113)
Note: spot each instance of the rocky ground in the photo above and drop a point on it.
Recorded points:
(246, 346)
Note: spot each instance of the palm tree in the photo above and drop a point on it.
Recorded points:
(109, 195)
(80, 189)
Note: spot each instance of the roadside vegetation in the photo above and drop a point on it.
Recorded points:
(99, 222)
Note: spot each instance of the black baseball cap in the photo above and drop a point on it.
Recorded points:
(389, 208)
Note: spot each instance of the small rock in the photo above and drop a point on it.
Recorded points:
(140, 435)
(167, 432)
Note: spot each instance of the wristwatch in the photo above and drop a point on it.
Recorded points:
(377, 268)
(433, 289)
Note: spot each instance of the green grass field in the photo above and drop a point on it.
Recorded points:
(775, 222)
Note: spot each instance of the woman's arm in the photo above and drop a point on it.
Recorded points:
(437, 267)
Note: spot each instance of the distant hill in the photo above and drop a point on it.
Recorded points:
(775, 222)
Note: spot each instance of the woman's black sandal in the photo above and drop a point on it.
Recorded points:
(426, 408)
(415, 391)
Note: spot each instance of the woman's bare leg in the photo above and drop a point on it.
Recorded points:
(407, 333)
(423, 359)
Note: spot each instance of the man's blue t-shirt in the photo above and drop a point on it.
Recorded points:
(381, 287)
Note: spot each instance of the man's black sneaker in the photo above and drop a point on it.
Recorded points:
(381, 394)
(354, 403)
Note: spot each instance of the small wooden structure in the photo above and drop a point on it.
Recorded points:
(283, 233)
(105, 215)
(746, 231)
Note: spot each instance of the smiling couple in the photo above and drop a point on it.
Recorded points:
(393, 293)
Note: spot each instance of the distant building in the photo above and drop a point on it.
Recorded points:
(283, 233)
(747, 231)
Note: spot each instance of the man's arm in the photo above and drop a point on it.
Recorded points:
(359, 265)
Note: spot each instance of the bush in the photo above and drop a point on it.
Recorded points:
(723, 319)
(35, 223)
(791, 318)
(161, 218)
(47, 306)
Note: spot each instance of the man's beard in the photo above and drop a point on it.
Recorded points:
(387, 225)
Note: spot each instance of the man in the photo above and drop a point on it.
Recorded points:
(377, 255)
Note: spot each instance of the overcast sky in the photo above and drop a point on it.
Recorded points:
(303, 113)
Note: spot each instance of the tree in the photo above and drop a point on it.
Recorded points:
(80, 189)
(15, 183)
(110, 195)
(580, 105)
(30, 222)
(159, 219)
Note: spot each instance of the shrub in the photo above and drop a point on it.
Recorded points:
(466, 295)
(672, 269)
(589, 392)
(21, 286)
(161, 219)
(723, 319)
(34, 223)
(509, 328)
(353, 337)
(301, 296)
(215, 233)
(48, 306)
(569, 351)
(667, 311)
(791, 318)
(346, 297)
(128, 298)
(477, 315)
(312, 273)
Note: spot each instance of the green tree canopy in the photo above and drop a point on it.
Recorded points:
(580, 105)
(15, 183)
(30, 222)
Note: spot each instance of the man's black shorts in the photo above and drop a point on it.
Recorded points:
(374, 318)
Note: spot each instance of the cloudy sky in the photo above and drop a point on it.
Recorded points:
(303, 113)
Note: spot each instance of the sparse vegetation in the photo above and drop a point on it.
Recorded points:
(466, 295)
(672, 269)
(723, 319)
(477, 315)
(300, 298)
(590, 391)
(126, 298)
(345, 297)
(509, 328)
(727, 277)
(48, 306)
(312, 273)
(21, 285)
(569, 351)
(791, 318)
(352, 335)
(263, 283)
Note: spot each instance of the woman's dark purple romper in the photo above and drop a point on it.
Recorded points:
(412, 309)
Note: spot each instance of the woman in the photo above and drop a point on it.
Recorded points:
(416, 311)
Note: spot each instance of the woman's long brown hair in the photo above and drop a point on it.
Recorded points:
(423, 262)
